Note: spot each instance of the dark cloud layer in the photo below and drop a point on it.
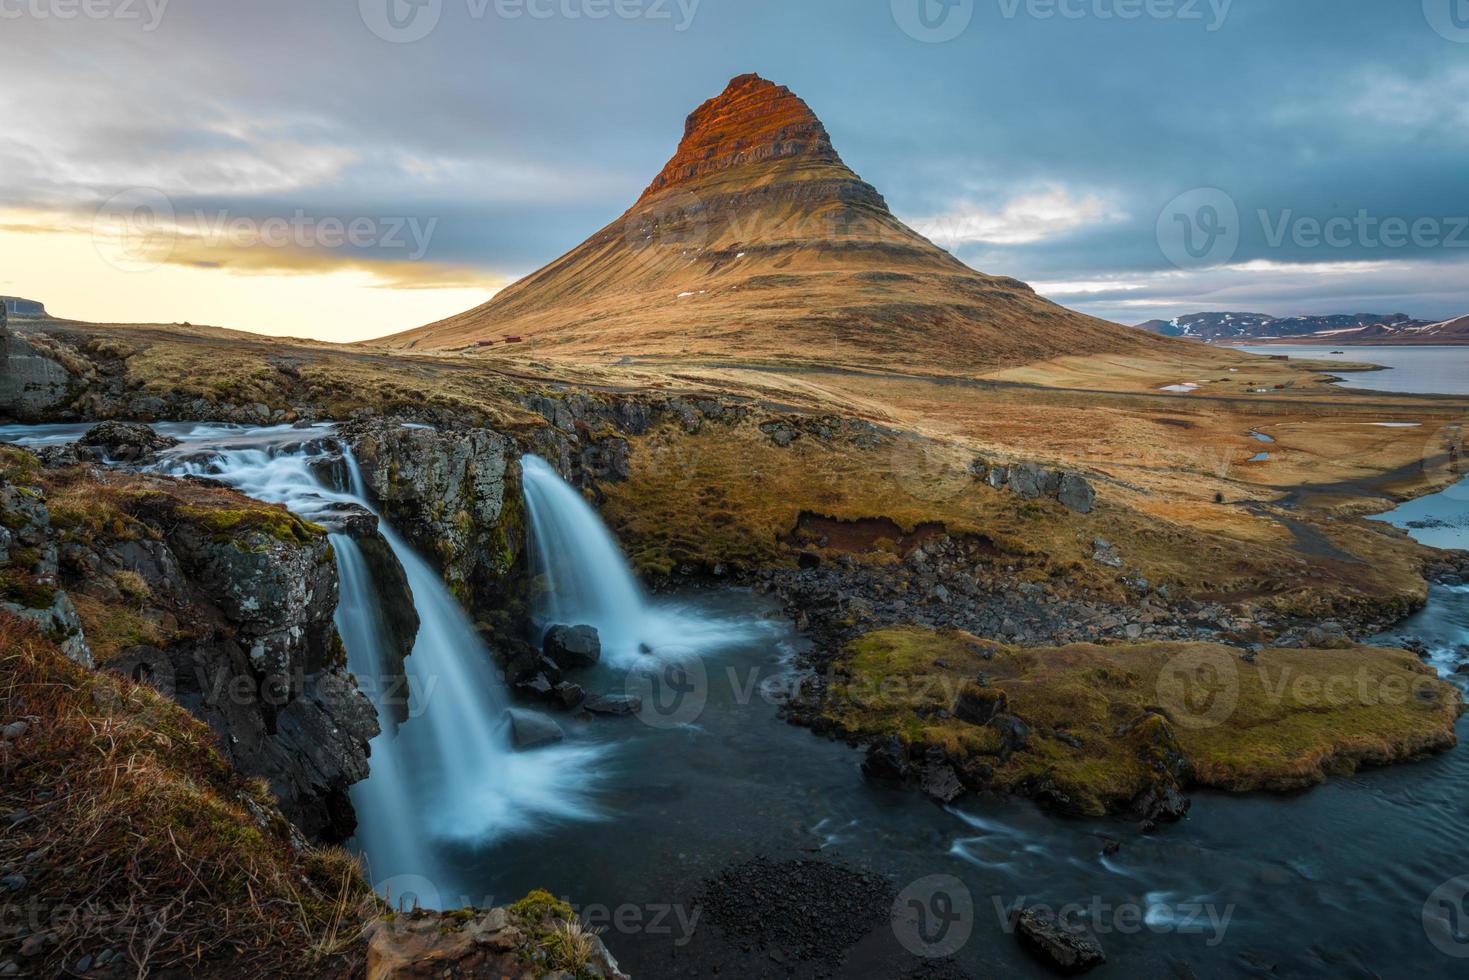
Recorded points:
(522, 134)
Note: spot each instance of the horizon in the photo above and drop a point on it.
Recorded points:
(305, 204)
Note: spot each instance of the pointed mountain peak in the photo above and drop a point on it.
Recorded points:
(752, 120)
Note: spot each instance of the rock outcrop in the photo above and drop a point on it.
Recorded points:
(1032, 481)
(223, 603)
(536, 937)
(454, 495)
(33, 380)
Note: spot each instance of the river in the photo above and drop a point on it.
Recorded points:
(629, 815)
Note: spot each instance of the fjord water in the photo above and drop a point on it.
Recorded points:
(1332, 882)
(1419, 369)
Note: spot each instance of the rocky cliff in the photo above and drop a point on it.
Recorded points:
(223, 603)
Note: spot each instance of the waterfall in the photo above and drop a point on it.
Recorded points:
(447, 774)
(586, 580)
(584, 576)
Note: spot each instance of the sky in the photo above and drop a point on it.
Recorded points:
(343, 169)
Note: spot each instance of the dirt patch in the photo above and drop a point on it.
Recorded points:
(862, 535)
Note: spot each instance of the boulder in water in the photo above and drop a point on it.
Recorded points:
(531, 730)
(572, 647)
(613, 704)
(886, 759)
(126, 442)
(569, 695)
(1066, 948)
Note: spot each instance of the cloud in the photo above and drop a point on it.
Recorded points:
(1022, 220)
(1419, 288)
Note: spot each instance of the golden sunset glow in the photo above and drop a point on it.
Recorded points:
(226, 281)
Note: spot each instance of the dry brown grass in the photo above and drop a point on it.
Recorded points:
(138, 838)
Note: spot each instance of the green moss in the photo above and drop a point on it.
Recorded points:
(540, 906)
(1098, 737)
(17, 465)
(236, 524)
(19, 588)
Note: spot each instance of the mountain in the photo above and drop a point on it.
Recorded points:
(17, 307)
(1340, 328)
(757, 242)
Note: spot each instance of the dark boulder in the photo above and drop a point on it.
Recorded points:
(1068, 949)
(353, 520)
(1161, 803)
(1075, 493)
(980, 705)
(568, 695)
(886, 759)
(572, 647)
(126, 442)
(1014, 735)
(938, 779)
(531, 730)
(536, 687)
(613, 704)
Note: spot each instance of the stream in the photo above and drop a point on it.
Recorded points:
(627, 816)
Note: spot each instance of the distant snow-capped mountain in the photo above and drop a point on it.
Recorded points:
(1339, 328)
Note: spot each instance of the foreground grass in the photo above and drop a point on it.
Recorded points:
(1107, 723)
(128, 832)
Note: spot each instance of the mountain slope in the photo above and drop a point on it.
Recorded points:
(1340, 328)
(757, 242)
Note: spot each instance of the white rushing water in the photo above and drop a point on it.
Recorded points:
(447, 773)
(586, 581)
